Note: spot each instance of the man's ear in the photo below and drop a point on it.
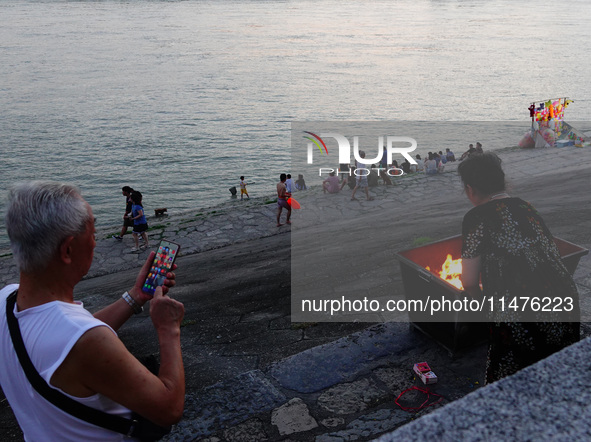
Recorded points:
(66, 250)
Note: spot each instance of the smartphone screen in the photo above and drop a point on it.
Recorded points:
(162, 264)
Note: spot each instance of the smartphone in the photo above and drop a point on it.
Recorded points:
(163, 261)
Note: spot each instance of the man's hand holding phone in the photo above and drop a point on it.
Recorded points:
(163, 264)
(166, 313)
(116, 314)
(138, 294)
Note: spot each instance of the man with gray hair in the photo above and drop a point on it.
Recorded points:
(71, 351)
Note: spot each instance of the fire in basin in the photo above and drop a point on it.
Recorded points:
(431, 276)
(451, 271)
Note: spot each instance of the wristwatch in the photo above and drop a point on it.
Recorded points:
(137, 309)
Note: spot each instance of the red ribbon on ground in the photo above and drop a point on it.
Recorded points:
(424, 404)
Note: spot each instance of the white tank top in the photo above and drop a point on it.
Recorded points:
(49, 332)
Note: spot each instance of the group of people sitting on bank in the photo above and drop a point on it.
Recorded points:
(471, 150)
(347, 175)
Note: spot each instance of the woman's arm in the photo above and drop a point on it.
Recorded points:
(140, 212)
(471, 275)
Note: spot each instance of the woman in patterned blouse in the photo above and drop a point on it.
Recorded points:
(509, 256)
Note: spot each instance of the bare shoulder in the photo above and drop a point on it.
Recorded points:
(90, 351)
(101, 355)
(97, 336)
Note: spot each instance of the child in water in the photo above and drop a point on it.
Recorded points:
(243, 188)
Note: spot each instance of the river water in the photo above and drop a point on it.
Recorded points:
(178, 99)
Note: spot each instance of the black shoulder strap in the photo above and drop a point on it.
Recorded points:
(118, 424)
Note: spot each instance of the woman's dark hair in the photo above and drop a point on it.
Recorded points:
(136, 197)
(483, 172)
(127, 189)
